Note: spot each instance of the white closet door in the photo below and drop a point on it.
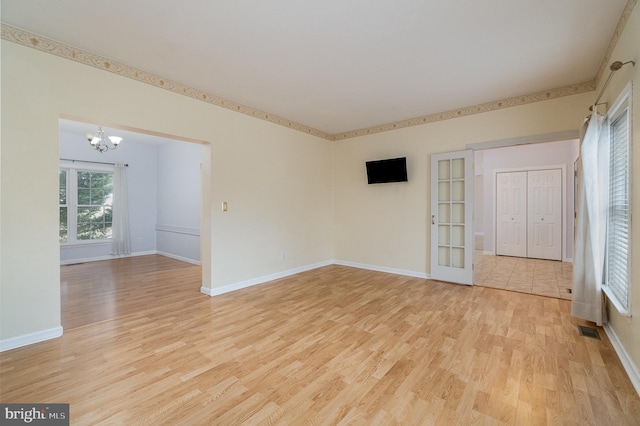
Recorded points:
(511, 208)
(545, 214)
(452, 217)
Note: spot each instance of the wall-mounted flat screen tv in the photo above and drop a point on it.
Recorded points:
(389, 170)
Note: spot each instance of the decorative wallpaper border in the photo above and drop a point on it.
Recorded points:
(573, 89)
(44, 44)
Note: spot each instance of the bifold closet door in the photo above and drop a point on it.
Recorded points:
(529, 214)
(511, 231)
(545, 214)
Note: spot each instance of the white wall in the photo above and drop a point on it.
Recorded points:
(141, 190)
(529, 157)
(178, 202)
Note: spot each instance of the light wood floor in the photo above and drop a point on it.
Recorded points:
(97, 291)
(335, 345)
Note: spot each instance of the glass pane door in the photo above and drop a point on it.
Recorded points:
(451, 217)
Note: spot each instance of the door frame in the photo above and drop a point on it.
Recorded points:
(563, 203)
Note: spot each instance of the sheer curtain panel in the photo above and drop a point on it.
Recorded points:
(120, 244)
(591, 222)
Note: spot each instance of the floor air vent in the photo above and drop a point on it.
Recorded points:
(588, 332)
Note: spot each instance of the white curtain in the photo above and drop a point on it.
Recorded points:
(591, 222)
(120, 244)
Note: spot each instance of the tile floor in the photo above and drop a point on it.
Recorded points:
(535, 276)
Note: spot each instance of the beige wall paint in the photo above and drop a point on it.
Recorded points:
(628, 48)
(277, 181)
(387, 225)
(29, 267)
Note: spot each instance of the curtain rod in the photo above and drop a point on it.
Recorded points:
(615, 66)
(94, 162)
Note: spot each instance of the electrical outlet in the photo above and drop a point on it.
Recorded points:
(283, 255)
(139, 240)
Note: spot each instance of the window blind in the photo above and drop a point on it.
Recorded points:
(618, 229)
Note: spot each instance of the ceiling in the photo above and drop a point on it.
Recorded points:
(341, 65)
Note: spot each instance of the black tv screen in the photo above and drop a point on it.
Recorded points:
(390, 170)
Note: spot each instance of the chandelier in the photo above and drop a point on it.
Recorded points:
(102, 143)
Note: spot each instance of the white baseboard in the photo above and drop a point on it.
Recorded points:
(405, 272)
(28, 339)
(625, 359)
(266, 278)
(108, 257)
(176, 257)
(260, 280)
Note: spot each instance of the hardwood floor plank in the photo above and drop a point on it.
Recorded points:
(335, 345)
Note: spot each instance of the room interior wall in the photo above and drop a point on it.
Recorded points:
(388, 225)
(529, 157)
(277, 181)
(141, 191)
(178, 202)
(163, 184)
(625, 332)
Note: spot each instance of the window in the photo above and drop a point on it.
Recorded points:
(618, 254)
(85, 205)
(64, 228)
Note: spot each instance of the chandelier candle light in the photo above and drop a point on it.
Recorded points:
(101, 142)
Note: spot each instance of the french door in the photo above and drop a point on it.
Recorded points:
(452, 217)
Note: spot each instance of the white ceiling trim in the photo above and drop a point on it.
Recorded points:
(47, 45)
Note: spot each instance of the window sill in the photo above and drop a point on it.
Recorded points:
(85, 243)
(615, 302)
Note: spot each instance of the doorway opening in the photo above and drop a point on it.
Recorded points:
(167, 223)
(529, 275)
